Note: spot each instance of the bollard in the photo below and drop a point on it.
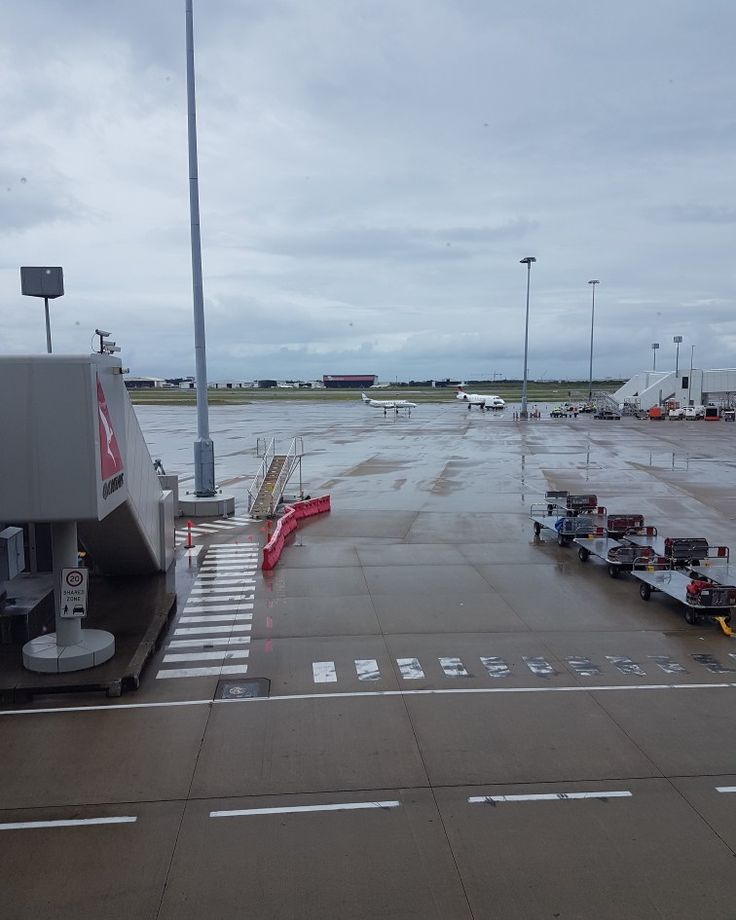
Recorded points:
(189, 534)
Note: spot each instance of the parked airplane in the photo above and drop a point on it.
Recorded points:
(477, 399)
(396, 404)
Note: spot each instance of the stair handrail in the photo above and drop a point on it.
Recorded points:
(292, 458)
(255, 487)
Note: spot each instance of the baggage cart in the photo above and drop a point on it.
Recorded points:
(567, 515)
(613, 547)
(699, 598)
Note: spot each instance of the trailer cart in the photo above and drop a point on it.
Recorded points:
(618, 554)
(700, 599)
(568, 515)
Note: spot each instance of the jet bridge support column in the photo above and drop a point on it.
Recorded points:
(70, 648)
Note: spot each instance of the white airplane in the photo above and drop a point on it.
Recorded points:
(396, 404)
(477, 399)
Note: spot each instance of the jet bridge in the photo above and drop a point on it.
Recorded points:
(73, 455)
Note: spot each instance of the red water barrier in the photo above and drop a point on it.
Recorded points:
(288, 524)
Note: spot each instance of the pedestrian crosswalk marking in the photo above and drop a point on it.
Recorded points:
(206, 656)
(217, 671)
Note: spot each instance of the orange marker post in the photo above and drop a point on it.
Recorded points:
(189, 535)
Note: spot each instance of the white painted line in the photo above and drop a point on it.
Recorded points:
(495, 666)
(205, 643)
(206, 528)
(233, 552)
(453, 667)
(726, 788)
(299, 809)
(224, 578)
(457, 691)
(218, 608)
(249, 545)
(205, 601)
(224, 525)
(324, 672)
(214, 589)
(410, 668)
(238, 568)
(192, 552)
(219, 617)
(77, 822)
(367, 669)
(205, 656)
(203, 672)
(547, 797)
(206, 630)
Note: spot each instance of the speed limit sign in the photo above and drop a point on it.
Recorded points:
(73, 593)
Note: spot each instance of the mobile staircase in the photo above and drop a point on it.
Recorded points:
(603, 400)
(274, 473)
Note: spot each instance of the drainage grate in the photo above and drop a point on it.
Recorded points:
(243, 689)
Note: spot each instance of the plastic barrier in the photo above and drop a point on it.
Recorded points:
(288, 524)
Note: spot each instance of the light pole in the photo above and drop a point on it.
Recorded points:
(528, 262)
(592, 322)
(677, 339)
(655, 346)
(690, 378)
(204, 451)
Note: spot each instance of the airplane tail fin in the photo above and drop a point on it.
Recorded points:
(364, 398)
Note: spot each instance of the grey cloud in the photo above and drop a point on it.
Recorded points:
(698, 214)
(410, 243)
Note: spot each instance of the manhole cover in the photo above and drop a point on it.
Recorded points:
(243, 689)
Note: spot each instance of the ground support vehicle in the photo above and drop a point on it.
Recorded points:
(568, 515)
(613, 547)
(608, 414)
(700, 599)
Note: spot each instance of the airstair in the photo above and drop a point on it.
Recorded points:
(274, 473)
(604, 400)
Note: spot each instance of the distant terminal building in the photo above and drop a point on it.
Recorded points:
(716, 387)
(352, 381)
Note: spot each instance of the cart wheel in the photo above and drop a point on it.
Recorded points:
(645, 591)
(583, 554)
(691, 616)
(613, 571)
(537, 528)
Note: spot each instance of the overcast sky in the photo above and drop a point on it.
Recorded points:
(370, 175)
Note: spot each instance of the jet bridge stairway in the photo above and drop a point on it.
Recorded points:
(274, 473)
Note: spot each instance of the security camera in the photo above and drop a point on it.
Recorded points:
(102, 333)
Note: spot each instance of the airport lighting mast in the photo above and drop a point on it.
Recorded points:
(204, 451)
(677, 339)
(592, 323)
(655, 346)
(528, 262)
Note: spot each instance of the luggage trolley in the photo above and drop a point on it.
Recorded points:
(678, 573)
(568, 515)
(612, 545)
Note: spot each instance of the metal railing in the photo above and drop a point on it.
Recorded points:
(269, 452)
(292, 459)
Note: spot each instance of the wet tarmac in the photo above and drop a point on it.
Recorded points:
(463, 721)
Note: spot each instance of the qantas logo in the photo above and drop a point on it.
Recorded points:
(111, 463)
